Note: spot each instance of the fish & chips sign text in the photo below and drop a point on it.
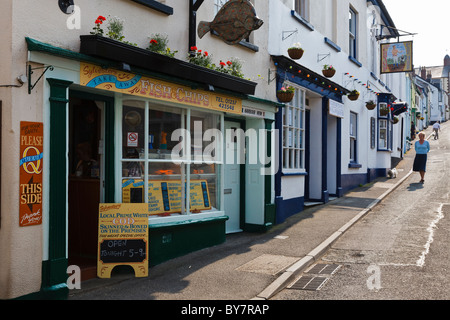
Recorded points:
(114, 80)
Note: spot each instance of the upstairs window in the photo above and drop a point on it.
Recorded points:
(301, 7)
(352, 22)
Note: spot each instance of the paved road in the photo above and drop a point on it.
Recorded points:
(400, 249)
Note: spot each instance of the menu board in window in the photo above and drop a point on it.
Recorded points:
(164, 196)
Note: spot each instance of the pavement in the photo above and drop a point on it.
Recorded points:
(252, 266)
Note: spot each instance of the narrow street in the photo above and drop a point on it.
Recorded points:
(400, 249)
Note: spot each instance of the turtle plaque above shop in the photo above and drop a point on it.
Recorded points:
(233, 23)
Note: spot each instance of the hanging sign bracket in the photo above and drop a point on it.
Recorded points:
(30, 72)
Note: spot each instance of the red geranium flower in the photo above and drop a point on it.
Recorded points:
(222, 63)
(205, 53)
(229, 63)
(154, 41)
(194, 48)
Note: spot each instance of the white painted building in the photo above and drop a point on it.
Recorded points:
(333, 152)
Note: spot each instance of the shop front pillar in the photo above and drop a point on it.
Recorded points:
(54, 270)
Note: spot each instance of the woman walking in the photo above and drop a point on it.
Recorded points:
(420, 161)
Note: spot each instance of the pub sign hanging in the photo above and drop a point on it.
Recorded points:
(397, 57)
(30, 173)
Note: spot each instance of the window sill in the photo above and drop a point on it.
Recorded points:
(156, 221)
(294, 173)
(354, 165)
(156, 6)
(302, 20)
(352, 59)
(332, 44)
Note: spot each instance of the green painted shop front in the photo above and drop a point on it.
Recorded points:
(169, 236)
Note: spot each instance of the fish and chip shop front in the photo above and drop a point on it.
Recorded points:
(110, 131)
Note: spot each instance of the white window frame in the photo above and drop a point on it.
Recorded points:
(185, 162)
(353, 36)
(293, 133)
(353, 137)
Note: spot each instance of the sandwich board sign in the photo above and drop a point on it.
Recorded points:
(122, 238)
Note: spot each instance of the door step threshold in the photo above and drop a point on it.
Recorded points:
(311, 203)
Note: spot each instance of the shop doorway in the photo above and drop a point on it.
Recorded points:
(86, 187)
(232, 180)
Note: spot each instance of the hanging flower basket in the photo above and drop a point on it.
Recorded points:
(395, 120)
(384, 111)
(328, 71)
(285, 94)
(370, 105)
(295, 53)
(353, 95)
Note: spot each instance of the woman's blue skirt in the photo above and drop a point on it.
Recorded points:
(420, 162)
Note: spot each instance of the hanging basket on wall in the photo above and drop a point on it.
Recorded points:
(353, 95)
(329, 72)
(295, 53)
(395, 120)
(370, 105)
(285, 96)
(384, 111)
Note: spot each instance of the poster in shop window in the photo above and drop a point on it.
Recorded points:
(164, 196)
(122, 238)
(30, 173)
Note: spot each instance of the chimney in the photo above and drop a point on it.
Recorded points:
(447, 60)
(423, 73)
(429, 76)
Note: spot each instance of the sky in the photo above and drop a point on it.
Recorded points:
(430, 20)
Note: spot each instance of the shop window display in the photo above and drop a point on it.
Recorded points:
(149, 136)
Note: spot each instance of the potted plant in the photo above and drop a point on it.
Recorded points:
(384, 111)
(353, 95)
(158, 43)
(370, 105)
(328, 71)
(285, 94)
(395, 120)
(295, 52)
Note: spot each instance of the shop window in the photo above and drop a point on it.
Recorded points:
(294, 133)
(170, 148)
(353, 136)
(382, 134)
(385, 129)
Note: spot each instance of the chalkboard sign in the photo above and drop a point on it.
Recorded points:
(119, 251)
(122, 238)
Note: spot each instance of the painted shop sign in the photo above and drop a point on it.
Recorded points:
(164, 196)
(336, 109)
(122, 238)
(119, 81)
(30, 173)
(253, 112)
